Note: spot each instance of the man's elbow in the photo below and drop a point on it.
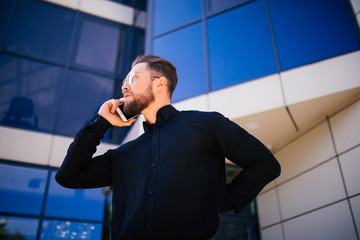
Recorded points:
(275, 168)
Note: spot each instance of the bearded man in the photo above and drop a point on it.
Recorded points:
(169, 183)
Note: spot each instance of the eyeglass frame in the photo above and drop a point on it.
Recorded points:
(131, 76)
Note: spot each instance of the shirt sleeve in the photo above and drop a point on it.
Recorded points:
(259, 165)
(79, 169)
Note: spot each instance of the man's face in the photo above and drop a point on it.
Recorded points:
(138, 91)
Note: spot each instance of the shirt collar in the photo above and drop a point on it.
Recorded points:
(163, 115)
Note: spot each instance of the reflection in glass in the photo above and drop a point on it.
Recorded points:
(190, 64)
(60, 230)
(307, 31)
(84, 94)
(240, 46)
(169, 14)
(20, 110)
(15, 228)
(29, 93)
(21, 189)
(41, 30)
(74, 203)
(98, 46)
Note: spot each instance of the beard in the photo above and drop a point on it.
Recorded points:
(139, 102)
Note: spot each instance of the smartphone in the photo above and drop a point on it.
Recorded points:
(124, 117)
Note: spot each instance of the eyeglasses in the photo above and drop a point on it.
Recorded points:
(131, 76)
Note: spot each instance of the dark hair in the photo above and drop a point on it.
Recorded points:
(162, 66)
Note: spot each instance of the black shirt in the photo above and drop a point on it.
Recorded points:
(169, 183)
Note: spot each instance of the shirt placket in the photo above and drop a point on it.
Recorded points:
(150, 189)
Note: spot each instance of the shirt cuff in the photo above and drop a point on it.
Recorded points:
(99, 124)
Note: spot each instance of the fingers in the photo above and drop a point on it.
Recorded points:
(115, 103)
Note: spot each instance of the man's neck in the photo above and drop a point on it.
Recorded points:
(151, 111)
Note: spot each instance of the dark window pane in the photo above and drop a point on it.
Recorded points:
(41, 30)
(74, 203)
(6, 7)
(21, 189)
(98, 45)
(84, 94)
(185, 49)
(169, 14)
(240, 46)
(29, 93)
(18, 228)
(59, 230)
(214, 5)
(307, 31)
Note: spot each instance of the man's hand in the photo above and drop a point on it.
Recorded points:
(108, 111)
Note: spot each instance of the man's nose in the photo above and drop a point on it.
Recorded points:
(125, 87)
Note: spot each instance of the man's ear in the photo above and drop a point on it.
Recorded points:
(161, 83)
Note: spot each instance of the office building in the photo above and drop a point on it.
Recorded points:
(286, 71)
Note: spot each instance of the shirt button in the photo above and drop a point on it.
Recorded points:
(155, 142)
(150, 192)
(148, 224)
(153, 165)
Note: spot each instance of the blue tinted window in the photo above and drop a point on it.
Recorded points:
(308, 30)
(84, 94)
(185, 49)
(6, 7)
(18, 228)
(29, 93)
(222, 4)
(21, 189)
(74, 203)
(169, 14)
(240, 46)
(41, 30)
(59, 230)
(98, 45)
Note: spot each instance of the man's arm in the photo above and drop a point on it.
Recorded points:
(259, 165)
(80, 169)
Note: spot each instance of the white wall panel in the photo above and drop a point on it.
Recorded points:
(61, 145)
(25, 146)
(59, 150)
(268, 209)
(196, 103)
(248, 98)
(318, 187)
(355, 207)
(346, 128)
(322, 78)
(272, 233)
(110, 10)
(306, 152)
(331, 223)
(356, 5)
(350, 165)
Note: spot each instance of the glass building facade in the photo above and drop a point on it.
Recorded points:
(57, 65)
(217, 44)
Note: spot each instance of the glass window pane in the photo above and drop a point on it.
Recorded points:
(185, 49)
(18, 228)
(6, 9)
(98, 45)
(21, 189)
(29, 93)
(41, 30)
(84, 94)
(169, 14)
(85, 204)
(240, 46)
(214, 5)
(59, 230)
(307, 31)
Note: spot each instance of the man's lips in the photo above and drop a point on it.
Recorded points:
(127, 95)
